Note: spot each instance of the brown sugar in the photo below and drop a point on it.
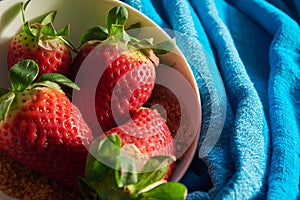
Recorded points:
(24, 184)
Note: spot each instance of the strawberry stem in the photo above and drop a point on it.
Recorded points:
(96, 33)
(49, 18)
(22, 75)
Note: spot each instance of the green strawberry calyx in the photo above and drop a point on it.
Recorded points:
(23, 76)
(113, 175)
(45, 31)
(115, 32)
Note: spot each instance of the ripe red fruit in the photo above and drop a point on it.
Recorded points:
(126, 65)
(41, 128)
(41, 43)
(53, 59)
(148, 132)
(125, 85)
(125, 82)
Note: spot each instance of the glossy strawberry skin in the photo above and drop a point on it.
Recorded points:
(79, 59)
(148, 131)
(55, 59)
(125, 84)
(45, 132)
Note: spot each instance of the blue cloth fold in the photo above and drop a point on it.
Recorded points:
(245, 56)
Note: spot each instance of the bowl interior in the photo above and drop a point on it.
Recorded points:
(83, 15)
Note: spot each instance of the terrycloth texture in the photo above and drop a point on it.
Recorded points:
(245, 56)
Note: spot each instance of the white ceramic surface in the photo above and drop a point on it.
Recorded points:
(83, 15)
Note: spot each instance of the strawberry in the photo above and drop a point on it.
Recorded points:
(41, 43)
(111, 174)
(40, 127)
(125, 68)
(147, 131)
(148, 134)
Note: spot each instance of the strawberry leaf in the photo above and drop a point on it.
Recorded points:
(49, 18)
(95, 33)
(125, 172)
(28, 30)
(95, 169)
(64, 31)
(68, 43)
(43, 28)
(163, 47)
(120, 181)
(48, 29)
(146, 42)
(170, 190)
(134, 29)
(154, 170)
(118, 16)
(48, 84)
(58, 78)
(5, 102)
(109, 146)
(23, 74)
(135, 26)
(107, 150)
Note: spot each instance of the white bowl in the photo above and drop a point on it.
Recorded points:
(85, 14)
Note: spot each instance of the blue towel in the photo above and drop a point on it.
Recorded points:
(245, 56)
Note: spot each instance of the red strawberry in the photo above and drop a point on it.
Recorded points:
(41, 43)
(113, 168)
(148, 132)
(40, 127)
(126, 68)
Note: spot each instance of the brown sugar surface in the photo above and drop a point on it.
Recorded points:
(24, 184)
